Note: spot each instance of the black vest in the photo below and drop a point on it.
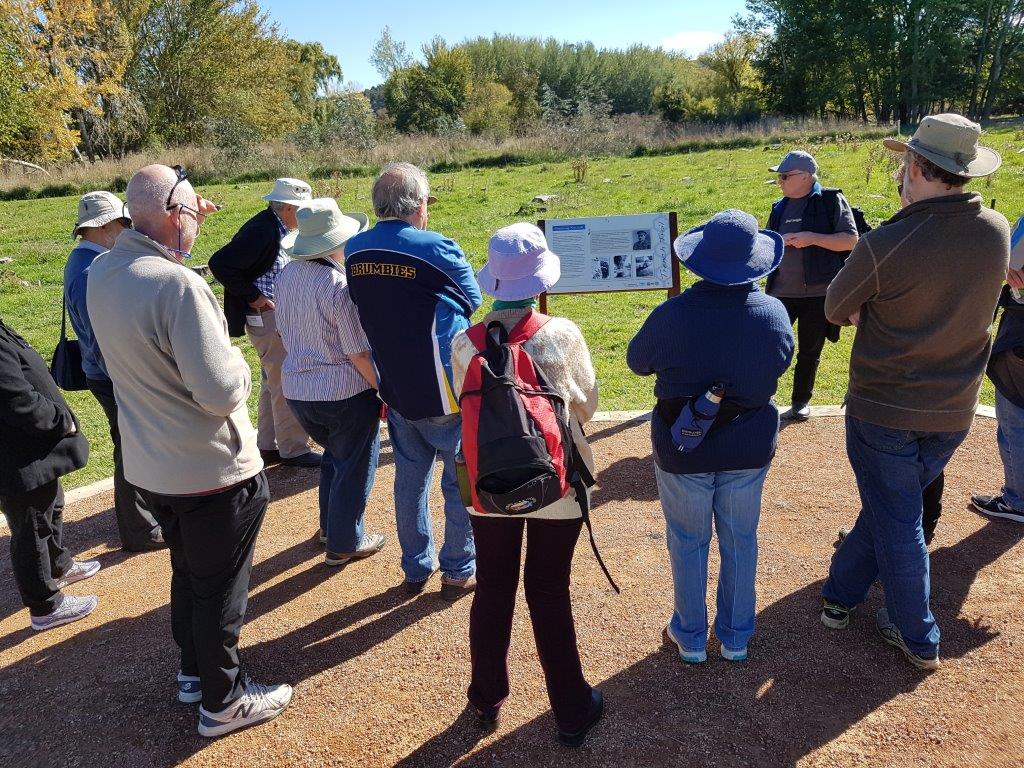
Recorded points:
(821, 215)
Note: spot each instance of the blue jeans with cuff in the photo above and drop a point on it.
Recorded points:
(690, 503)
(892, 467)
(416, 446)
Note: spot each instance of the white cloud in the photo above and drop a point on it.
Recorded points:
(692, 42)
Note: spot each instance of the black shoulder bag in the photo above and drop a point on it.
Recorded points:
(66, 365)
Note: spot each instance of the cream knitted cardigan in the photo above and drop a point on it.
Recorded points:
(561, 353)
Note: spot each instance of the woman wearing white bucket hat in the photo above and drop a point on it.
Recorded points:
(328, 377)
(519, 268)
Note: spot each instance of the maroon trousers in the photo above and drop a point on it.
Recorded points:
(549, 549)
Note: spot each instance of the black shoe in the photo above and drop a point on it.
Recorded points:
(270, 457)
(800, 412)
(995, 506)
(309, 460)
(575, 739)
(415, 587)
(487, 721)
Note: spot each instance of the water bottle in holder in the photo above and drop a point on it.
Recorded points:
(696, 418)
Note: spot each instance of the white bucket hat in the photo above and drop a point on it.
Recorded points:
(519, 264)
(323, 228)
(292, 191)
(98, 208)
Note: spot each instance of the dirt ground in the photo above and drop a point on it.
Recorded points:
(380, 679)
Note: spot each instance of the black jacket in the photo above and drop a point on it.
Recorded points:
(35, 448)
(1006, 365)
(249, 254)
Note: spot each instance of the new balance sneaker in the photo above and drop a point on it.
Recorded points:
(690, 657)
(79, 571)
(453, 589)
(835, 615)
(190, 689)
(995, 506)
(70, 609)
(258, 704)
(730, 655)
(370, 545)
(892, 636)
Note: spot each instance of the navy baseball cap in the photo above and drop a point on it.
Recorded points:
(796, 160)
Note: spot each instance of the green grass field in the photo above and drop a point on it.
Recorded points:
(472, 205)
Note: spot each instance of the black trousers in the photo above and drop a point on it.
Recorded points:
(811, 328)
(211, 539)
(136, 525)
(38, 557)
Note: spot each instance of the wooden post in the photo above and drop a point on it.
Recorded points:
(673, 232)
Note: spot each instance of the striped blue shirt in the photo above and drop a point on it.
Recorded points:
(266, 283)
(320, 328)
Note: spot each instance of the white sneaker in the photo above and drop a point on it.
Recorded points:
(79, 571)
(70, 609)
(258, 704)
(190, 689)
(369, 545)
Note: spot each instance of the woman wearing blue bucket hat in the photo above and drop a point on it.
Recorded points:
(719, 347)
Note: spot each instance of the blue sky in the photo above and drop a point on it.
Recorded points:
(349, 29)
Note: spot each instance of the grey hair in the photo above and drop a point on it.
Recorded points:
(399, 190)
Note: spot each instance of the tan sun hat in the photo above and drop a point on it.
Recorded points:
(98, 208)
(291, 191)
(951, 142)
(323, 228)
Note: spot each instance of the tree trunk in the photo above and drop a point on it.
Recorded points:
(972, 108)
(1011, 22)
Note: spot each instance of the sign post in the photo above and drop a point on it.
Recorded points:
(608, 254)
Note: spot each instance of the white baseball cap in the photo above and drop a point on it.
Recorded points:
(98, 208)
(291, 191)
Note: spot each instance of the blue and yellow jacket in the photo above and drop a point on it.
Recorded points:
(414, 290)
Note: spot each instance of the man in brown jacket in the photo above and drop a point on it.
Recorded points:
(922, 290)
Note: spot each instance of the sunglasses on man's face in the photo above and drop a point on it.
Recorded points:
(791, 174)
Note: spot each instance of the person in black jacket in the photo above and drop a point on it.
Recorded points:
(248, 267)
(819, 230)
(39, 442)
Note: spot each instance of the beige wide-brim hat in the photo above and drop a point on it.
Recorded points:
(95, 209)
(323, 229)
(951, 142)
(291, 191)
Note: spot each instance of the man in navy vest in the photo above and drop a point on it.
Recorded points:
(819, 230)
(414, 290)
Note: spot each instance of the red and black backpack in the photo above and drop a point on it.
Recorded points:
(516, 437)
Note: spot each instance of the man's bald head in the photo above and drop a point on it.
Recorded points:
(147, 192)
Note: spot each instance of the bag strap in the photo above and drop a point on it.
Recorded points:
(478, 335)
(580, 481)
(63, 316)
(528, 325)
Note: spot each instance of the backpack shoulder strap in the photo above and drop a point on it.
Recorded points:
(532, 322)
(478, 335)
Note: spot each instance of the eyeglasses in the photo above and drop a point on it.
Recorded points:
(791, 174)
(182, 175)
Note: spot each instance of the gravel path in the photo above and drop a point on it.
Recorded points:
(380, 679)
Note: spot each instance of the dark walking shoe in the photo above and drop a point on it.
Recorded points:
(835, 615)
(800, 412)
(576, 738)
(415, 587)
(486, 720)
(270, 457)
(995, 506)
(453, 589)
(892, 636)
(308, 460)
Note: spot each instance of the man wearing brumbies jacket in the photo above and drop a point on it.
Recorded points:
(400, 264)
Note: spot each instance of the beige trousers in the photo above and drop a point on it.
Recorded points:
(277, 428)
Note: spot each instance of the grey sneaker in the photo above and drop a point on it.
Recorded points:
(800, 412)
(370, 545)
(835, 615)
(892, 636)
(453, 589)
(70, 609)
(190, 689)
(258, 704)
(79, 571)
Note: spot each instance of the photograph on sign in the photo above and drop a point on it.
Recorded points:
(612, 253)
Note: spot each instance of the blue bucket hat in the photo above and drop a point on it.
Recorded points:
(730, 249)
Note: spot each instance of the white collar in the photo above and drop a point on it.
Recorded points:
(89, 245)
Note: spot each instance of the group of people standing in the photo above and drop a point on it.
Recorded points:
(356, 324)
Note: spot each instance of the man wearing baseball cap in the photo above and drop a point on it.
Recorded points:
(819, 230)
(248, 267)
(922, 290)
(101, 218)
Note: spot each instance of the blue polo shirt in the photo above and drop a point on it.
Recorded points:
(414, 290)
(76, 275)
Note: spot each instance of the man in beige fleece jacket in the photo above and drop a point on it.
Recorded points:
(922, 290)
(181, 390)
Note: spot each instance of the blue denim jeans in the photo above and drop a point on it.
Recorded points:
(416, 445)
(892, 467)
(349, 431)
(1010, 438)
(690, 503)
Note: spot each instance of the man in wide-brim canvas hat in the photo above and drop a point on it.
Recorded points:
(922, 290)
(328, 377)
(248, 267)
(723, 329)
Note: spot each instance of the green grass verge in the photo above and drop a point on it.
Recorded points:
(473, 203)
